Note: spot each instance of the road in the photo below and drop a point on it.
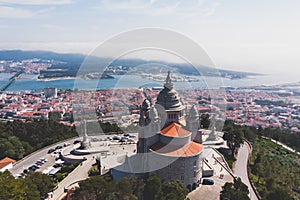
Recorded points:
(208, 192)
(32, 158)
(240, 168)
(80, 173)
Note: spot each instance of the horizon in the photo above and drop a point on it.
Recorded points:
(240, 36)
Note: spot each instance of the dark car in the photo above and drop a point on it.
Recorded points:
(39, 163)
(51, 150)
(76, 141)
(207, 181)
(126, 134)
(115, 137)
(33, 167)
(57, 165)
(58, 147)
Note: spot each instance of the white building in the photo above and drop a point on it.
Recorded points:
(169, 142)
(6, 164)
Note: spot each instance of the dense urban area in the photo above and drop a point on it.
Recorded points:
(33, 120)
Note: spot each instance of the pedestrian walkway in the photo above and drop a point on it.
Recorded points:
(78, 174)
(220, 177)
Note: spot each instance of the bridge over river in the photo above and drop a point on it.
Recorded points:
(10, 81)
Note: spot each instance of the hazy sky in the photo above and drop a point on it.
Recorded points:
(256, 35)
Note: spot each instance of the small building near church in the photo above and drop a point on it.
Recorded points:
(6, 164)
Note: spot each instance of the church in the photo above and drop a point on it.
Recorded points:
(169, 142)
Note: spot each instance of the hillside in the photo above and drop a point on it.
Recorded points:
(72, 62)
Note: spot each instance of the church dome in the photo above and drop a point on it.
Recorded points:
(168, 97)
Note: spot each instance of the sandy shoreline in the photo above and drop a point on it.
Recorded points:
(55, 79)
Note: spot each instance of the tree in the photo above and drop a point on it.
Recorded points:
(137, 186)
(54, 116)
(18, 139)
(174, 190)
(30, 190)
(249, 134)
(43, 182)
(235, 191)
(153, 188)
(278, 194)
(234, 139)
(23, 189)
(124, 190)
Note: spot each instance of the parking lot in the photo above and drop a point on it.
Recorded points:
(33, 162)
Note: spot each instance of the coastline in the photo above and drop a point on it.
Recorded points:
(55, 79)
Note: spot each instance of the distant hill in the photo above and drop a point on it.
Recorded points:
(19, 55)
(73, 62)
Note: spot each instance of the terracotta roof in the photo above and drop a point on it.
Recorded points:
(5, 161)
(190, 149)
(174, 130)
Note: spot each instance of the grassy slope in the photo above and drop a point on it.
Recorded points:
(277, 167)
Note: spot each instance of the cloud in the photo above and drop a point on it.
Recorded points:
(152, 2)
(16, 13)
(210, 9)
(126, 4)
(166, 10)
(150, 7)
(12, 12)
(201, 10)
(4, 26)
(54, 27)
(37, 2)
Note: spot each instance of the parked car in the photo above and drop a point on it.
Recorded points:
(115, 137)
(207, 181)
(126, 134)
(76, 141)
(57, 157)
(39, 163)
(51, 150)
(67, 144)
(123, 139)
(58, 147)
(44, 160)
(34, 167)
(18, 176)
(57, 165)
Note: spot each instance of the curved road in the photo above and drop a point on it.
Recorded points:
(240, 168)
(32, 158)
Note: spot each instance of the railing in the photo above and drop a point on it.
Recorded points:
(226, 167)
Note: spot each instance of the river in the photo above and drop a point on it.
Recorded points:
(30, 82)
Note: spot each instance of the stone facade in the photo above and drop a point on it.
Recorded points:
(169, 142)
